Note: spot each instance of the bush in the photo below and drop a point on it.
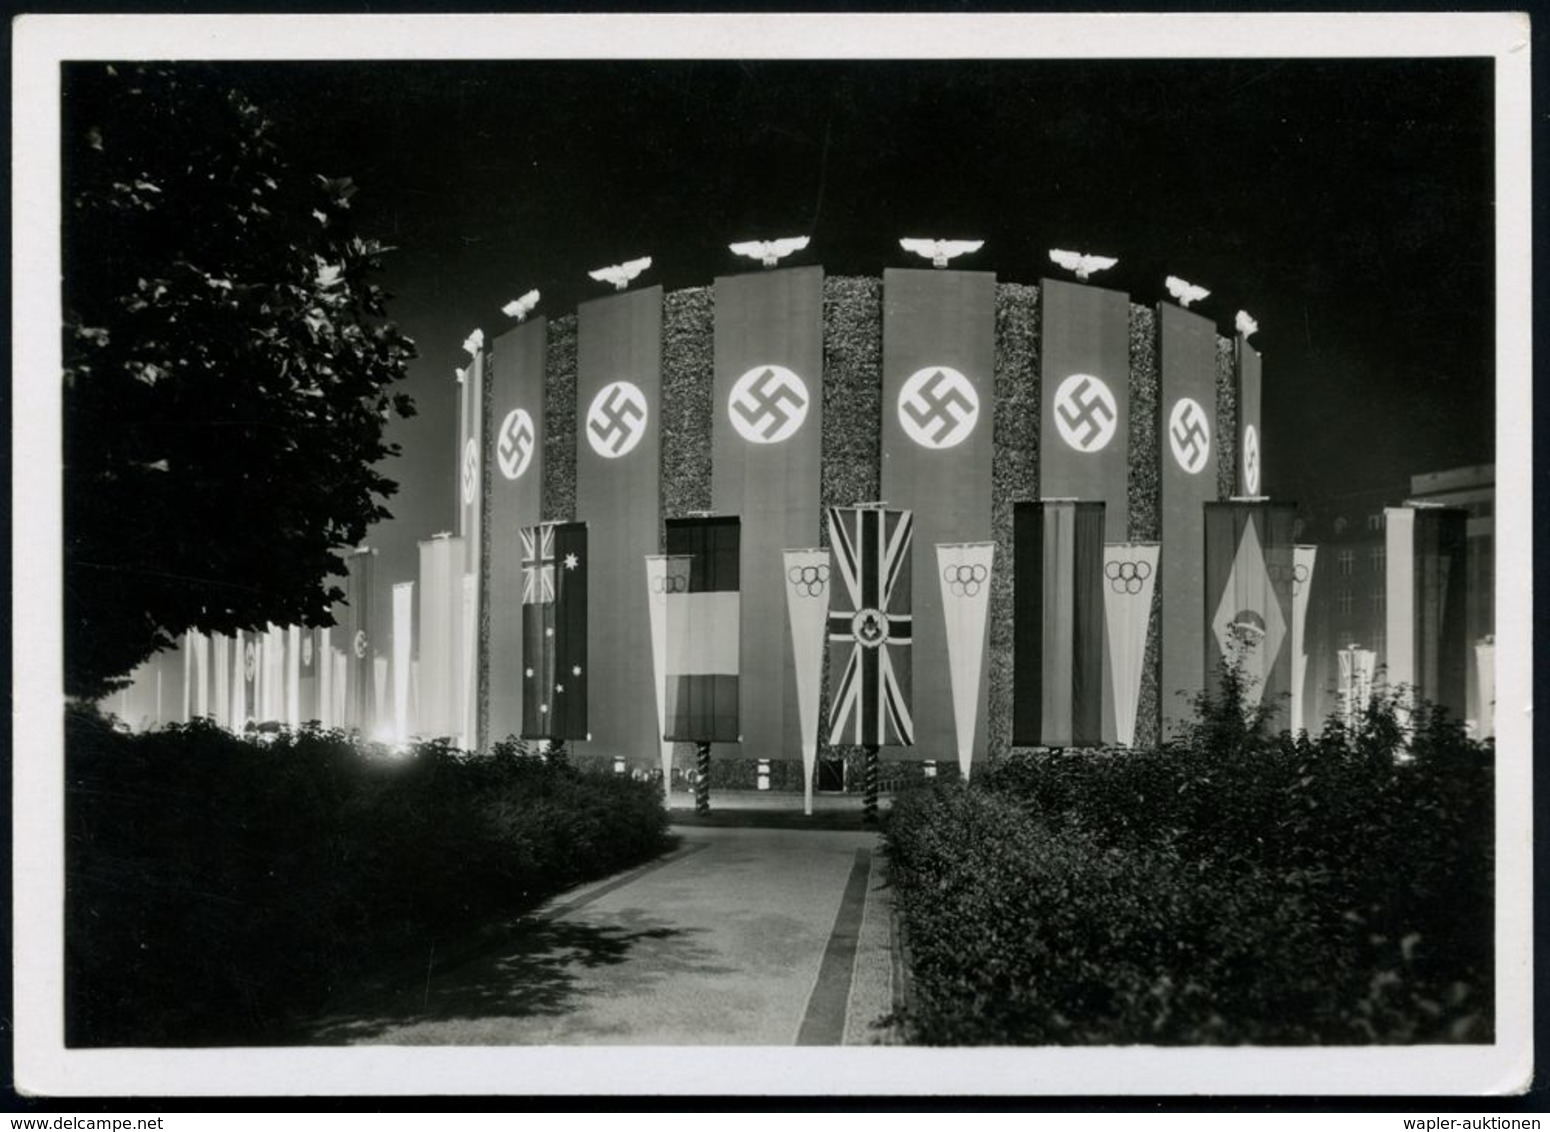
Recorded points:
(214, 882)
(1234, 886)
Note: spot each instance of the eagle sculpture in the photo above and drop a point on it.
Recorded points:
(1246, 324)
(1081, 263)
(1184, 291)
(620, 274)
(769, 252)
(521, 308)
(474, 342)
(940, 251)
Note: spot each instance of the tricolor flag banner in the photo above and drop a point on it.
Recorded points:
(963, 569)
(1129, 581)
(1249, 568)
(441, 637)
(1485, 667)
(1304, 559)
(664, 574)
(704, 631)
(1085, 397)
(765, 456)
(1057, 628)
(360, 697)
(246, 712)
(403, 657)
(871, 627)
(1250, 442)
(220, 648)
(807, 583)
(1188, 420)
(1427, 646)
(938, 399)
(1357, 669)
(618, 458)
(309, 676)
(470, 498)
(515, 373)
(554, 631)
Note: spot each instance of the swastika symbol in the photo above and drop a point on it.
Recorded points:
(1189, 434)
(360, 642)
(938, 407)
(617, 419)
(470, 470)
(767, 404)
(514, 443)
(1085, 413)
(1251, 460)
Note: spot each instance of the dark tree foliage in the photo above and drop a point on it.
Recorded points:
(228, 371)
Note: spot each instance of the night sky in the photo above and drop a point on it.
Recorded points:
(1347, 205)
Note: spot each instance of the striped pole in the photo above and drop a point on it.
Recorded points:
(702, 778)
(869, 805)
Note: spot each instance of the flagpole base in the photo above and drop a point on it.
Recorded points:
(702, 778)
(869, 778)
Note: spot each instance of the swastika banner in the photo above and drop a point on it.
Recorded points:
(1058, 627)
(516, 376)
(938, 371)
(1249, 571)
(765, 449)
(1251, 451)
(1085, 398)
(470, 495)
(618, 410)
(1188, 454)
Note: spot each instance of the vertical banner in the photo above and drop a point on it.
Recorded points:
(247, 649)
(554, 631)
(765, 450)
(1248, 613)
(963, 570)
(1358, 666)
(220, 648)
(618, 407)
(807, 610)
(704, 632)
(274, 674)
(1129, 581)
(516, 377)
(1425, 603)
(189, 676)
(1250, 450)
(1188, 396)
(1304, 558)
(663, 573)
(359, 694)
(325, 665)
(1057, 624)
(470, 483)
(871, 627)
(938, 368)
(308, 676)
(1085, 398)
(403, 658)
(339, 662)
(441, 637)
(382, 698)
(1485, 667)
(293, 635)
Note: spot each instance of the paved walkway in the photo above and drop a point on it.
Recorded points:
(740, 936)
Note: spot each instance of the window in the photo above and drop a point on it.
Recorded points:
(1379, 555)
(1376, 600)
(1375, 521)
(1347, 562)
(1343, 602)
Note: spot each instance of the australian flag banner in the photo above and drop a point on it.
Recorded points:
(1249, 598)
(554, 631)
(704, 636)
(870, 627)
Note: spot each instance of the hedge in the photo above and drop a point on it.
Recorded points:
(216, 884)
(1232, 887)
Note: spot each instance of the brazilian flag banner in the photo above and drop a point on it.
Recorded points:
(1249, 570)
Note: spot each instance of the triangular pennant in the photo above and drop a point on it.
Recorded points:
(1129, 579)
(963, 570)
(807, 574)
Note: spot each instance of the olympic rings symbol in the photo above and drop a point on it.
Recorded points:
(1127, 577)
(808, 581)
(670, 584)
(964, 579)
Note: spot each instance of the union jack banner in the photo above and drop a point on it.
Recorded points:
(870, 627)
(537, 564)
